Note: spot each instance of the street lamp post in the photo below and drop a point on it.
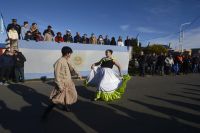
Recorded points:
(181, 36)
(137, 37)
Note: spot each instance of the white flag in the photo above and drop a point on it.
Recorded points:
(1, 25)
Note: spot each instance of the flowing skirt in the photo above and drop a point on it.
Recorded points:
(67, 97)
(110, 86)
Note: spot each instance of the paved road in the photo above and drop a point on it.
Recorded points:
(152, 104)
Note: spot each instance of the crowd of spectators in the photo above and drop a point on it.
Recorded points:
(165, 64)
(32, 32)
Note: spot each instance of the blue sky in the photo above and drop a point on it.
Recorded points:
(149, 18)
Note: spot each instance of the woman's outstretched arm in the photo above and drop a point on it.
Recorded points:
(96, 64)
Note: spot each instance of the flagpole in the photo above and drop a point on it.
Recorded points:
(4, 25)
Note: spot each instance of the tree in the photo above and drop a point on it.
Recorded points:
(155, 48)
(136, 48)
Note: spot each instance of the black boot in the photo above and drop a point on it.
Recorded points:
(67, 108)
(47, 111)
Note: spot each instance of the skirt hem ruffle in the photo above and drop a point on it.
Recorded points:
(117, 94)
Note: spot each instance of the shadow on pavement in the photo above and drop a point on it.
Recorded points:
(99, 116)
(194, 85)
(178, 103)
(27, 119)
(191, 89)
(172, 124)
(183, 96)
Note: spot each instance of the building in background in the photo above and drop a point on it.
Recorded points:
(195, 51)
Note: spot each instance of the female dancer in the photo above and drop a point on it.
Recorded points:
(110, 85)
(64, 92)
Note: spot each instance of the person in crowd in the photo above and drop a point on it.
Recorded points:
(24, 29)
(147, 65)
(93, 39)
(34, 31)
(59, 38)
(152, 63)
(77, 38)
(7, 62)
(16, 26)
(85, 40)
(64, 92)
(142, 62)
(195, 64)
(39, 37)
(48, 36)
(113, 42)
(19, 60)
(120, 41)
(110, 86)
(28, 36)
(175, 67)
(13, 37)
(186, 64)
(100, 40)
(198, 64)
(190, 66)
(127, 41)
(136, 65)
(180, 62)
(68, 37)
(106, 40)
(49, 29)
(161, 64)
(169, 62)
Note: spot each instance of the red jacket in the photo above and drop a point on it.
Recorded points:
(59, 39)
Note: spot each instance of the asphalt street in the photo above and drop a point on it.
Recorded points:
(158, 104)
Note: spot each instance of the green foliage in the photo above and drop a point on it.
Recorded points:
(155, 48)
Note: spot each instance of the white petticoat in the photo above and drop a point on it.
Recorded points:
(105, 79)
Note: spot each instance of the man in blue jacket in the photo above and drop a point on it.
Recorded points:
(7, 62)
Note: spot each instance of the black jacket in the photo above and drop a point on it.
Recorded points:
(127, 42)
(142, 60)
(85, 40)
(113, 42)
(19, 60)
(68, 38)
(152, 60)
(6, 61)
(161, 60)
(106, 41)
(52, 33)
(77, 39)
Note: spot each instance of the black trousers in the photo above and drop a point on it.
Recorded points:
(142, 69)
(5, 73)
(19, 74)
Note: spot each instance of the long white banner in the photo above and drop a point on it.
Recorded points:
(42, 55)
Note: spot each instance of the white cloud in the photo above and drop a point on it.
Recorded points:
(125, 27)
(159, 10)
(191, 39)
(147, 30)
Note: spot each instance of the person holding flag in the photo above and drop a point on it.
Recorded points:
(14, 25)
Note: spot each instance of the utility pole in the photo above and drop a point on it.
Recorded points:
(181, 36)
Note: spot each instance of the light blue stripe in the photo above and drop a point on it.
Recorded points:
(74, 46)
(2, 45)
